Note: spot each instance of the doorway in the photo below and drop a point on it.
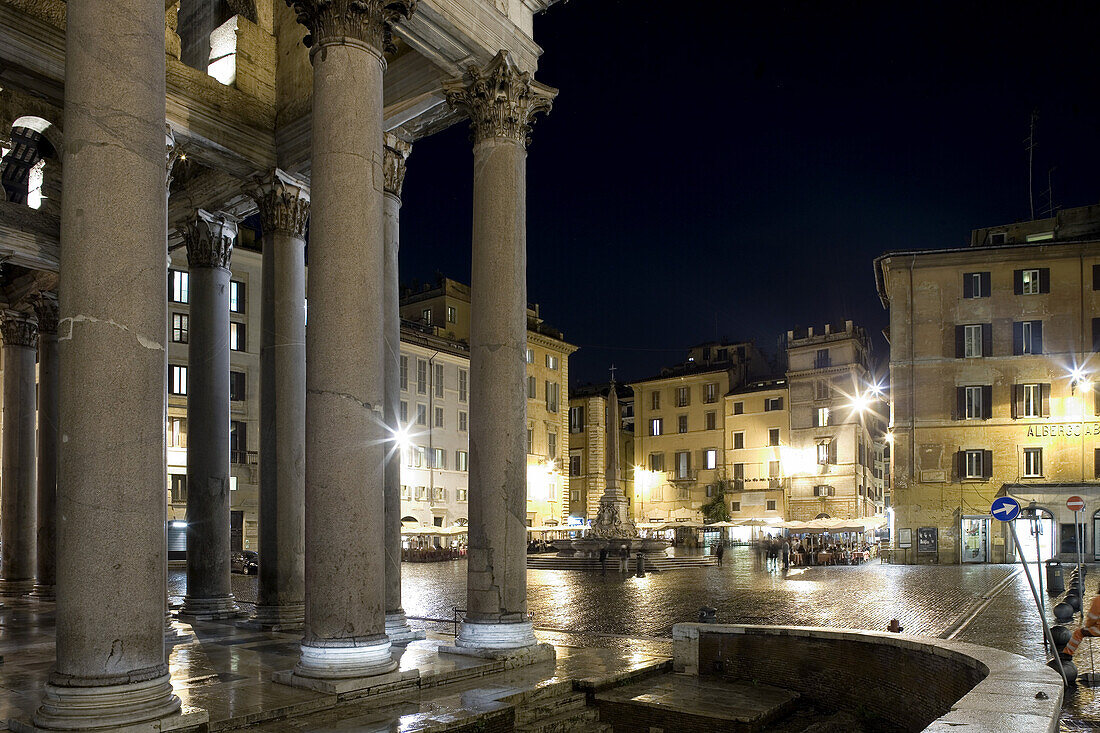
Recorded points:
(1037, 537)
(975, 539)
(236, 530)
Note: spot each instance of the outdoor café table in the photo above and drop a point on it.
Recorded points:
(798, 558)
(824, 558)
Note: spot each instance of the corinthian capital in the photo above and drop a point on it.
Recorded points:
(18, 329)
(45, 308)
(368, 21)
(284, 203)
(395, 153)
(209, 239)
(500, 100)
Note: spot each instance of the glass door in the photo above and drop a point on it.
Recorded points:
(975, 539)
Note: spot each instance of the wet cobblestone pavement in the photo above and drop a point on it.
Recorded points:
(982, 604)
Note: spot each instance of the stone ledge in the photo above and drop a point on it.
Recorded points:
(188, 719)
(351, 688)
(511, 658)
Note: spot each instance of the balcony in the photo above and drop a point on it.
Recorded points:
(244, 457)
(679, 477)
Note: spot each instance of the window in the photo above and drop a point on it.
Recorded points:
(426, 316)
(773, 403)
(237, 386)
(237, 340)
(826, 452)
(531, 388)
(178, 286)
(976, 464)
(1027, 337)
(574, 465)
(682, 423)
(421, 493)
(236, 296)
(1033, 462)
(551, 445)
(773, 436)
(177, 380)
(176, 434)
(406, 493)
(821, 417)
(655, 426)
(998, 237)
(421, 414)
(738, 408)
(771, 505)
(738, 440)
(403, 412)
(530, 440)
(683, 464)
(821, 359)
(179, 488)
(463, 385)
(439, 458)
(821, 389)
(655, 400)
(439, 417)
(238, 442)
(450, 314)
(973, 403)
(421, 376)
(576, 419)
(710, 458)
(683, 396)
(404, 373)
(461, 421)
(656, 461)
(710, 392)
(460, 494)
(551, 361)
(574, 495)
(530, 355)
(976, 285)
(438, 380)
(711, 420)
(553, 389)
(735, 506)
(974, 340)
(1032, 281)
(180, 323)
(773, 469)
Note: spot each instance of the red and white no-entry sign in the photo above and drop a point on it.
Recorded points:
(1075, 503)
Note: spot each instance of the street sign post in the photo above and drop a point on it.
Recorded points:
(1076, 504)
(1006, 509)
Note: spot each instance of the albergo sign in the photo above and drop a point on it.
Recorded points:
(1063, 430)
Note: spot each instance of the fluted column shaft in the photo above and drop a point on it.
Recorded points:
(209, 240)
(395, 153)
(111, 668)
(17, 513)
(345, 435)
(500, 100)
(46, 309)
(284, 211)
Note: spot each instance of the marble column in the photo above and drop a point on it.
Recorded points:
(111, 669)
(395, 153)
(284, 211)
(17, 513)
(209, 239)
(501, 102)
(45, 307)
(345, 619)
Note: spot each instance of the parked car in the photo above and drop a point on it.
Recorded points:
(245, 561)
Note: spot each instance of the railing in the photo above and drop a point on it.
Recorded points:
(678, 476)
(244, 457)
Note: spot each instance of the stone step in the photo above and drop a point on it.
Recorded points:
(533, 712)
(568, 721)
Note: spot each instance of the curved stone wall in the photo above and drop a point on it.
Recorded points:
(913, 683)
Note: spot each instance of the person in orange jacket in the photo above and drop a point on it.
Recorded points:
(1091, 627)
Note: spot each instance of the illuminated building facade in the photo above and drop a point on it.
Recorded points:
(992, 360)
(679, 433)
(758, 455)
(443, 310)
(588, 448)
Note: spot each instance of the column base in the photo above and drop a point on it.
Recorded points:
(210, 609)
(134, 707)
(43, 592)
(16, 587)
(514, 643)
(399, 631)
(285, 617)
(338, 666)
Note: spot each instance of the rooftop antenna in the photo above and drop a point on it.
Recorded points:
(1051, 207)
(1030, 146)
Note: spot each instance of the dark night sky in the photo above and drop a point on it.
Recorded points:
(743, 171)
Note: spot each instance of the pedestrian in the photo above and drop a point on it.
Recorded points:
(895, 626)
(1091, 627)
(624, 558)
(603, 561)
(785, 553)
(720, 552)
(773, 553)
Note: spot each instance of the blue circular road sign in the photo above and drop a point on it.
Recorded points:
(1005, 508)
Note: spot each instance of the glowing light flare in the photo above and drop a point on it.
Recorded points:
(798, 461)
(889, 437)
(860, 403)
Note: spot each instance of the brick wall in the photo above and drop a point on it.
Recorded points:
(902, 686)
